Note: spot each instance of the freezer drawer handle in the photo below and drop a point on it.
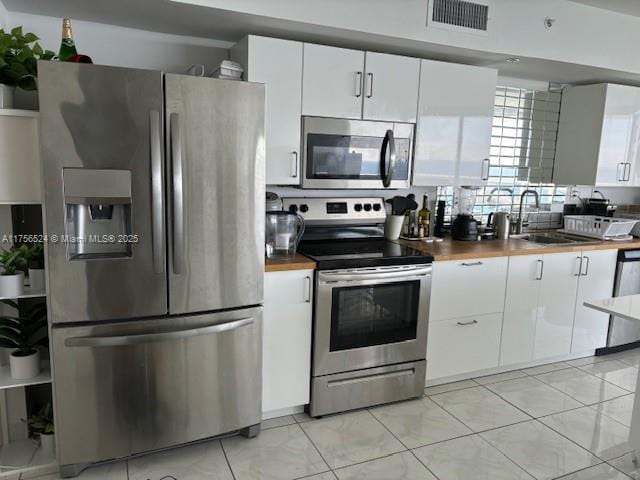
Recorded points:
(368, 378)
(157, 195)
(124, 340)
(178, 194)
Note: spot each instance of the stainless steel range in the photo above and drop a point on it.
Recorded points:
(371, 309)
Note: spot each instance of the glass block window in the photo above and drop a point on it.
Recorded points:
(523, 143)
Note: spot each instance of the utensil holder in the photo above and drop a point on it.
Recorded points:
(393, 226)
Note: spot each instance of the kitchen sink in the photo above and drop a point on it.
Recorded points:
(554, 238)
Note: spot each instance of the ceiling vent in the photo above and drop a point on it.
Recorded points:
(459, 15)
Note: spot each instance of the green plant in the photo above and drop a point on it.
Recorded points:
(36, 255)
(42, 422)
(14, 259)
(19, 55)
(24, 332)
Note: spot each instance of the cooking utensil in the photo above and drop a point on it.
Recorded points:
(400, 205)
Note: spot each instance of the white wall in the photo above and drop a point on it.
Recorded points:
(581, 35)
(126, 47)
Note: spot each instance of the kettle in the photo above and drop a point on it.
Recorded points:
(501, 224)
(283, 231)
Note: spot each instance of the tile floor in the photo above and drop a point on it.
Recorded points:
(567, 420)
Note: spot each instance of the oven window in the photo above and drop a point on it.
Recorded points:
(370, 315)
(351, 157)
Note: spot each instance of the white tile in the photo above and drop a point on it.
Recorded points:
(582, 386)
(351, 438)
(599, 472)
(277, 453)
(534, 397)
(626, 465)
(302, 417)
(191, 462)
(399, 466)
(499, 377)
(579, 362)
(419, 422)
(322, 476)
(619, 409)
(630, 357)
(277, 422)
(109, 471)
(539, 450)
(619, 373)
(469, 458)
(479, 408)
(449, 387)
(592, 430)
(549, 367)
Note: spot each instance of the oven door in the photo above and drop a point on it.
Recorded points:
(370, 317)
(340, 153)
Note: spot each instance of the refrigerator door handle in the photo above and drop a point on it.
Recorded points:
(124, 340)
(178, 194)
(157, 195)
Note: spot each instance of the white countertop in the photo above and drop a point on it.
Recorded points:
(627, 306)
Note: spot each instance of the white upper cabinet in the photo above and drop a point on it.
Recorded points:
(333, 81)
(391, 88)
(455, 114)
(598, 136)
(597, 274)
(277, 64)
(20, 176)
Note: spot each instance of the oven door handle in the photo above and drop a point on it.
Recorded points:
(353, 276)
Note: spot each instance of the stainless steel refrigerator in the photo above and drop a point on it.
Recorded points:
(154, 209)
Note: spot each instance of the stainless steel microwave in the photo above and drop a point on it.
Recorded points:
(339, 153)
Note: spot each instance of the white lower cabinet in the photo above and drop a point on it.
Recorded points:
(460, 345)
(286, 355)
(539, 305)
(597, 275)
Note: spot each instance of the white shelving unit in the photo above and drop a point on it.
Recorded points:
(28, 293)
(7, 381)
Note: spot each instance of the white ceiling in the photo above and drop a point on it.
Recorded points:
(628, 7)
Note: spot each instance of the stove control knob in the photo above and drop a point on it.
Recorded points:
(304, 208)
(357, 207)
(367, 207)
(293, 208)
(376, 207)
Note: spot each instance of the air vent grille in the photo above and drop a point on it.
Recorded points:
(461, 14)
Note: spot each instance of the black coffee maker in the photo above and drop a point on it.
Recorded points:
(464, 227)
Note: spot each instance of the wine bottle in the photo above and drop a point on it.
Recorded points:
(424, 216)
(68, 46)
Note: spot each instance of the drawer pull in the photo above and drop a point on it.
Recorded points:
(375, 376)
(471, 264)
(472, 322)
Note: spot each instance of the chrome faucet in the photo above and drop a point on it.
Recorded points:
(520, 224)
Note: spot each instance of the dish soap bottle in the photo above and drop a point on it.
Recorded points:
(68, 46)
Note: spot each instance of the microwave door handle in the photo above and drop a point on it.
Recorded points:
(137, 339)
(178, 193)
(157, 195)
(386, 167)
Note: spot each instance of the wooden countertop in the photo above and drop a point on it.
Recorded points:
(457, 250)
(299, 262)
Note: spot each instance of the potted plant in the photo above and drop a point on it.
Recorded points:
(19, 55)
(41, 424)
(36, 267)
(12, 262)
(24, 334)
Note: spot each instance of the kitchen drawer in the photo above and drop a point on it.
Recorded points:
(462, 288)
(462, 345)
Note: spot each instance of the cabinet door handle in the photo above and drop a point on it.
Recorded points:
(619, 175)
(370, 77)
(294, 164)
(540, 270)
(307, 282)
(464, 324)
(471, 264)
(586, 269)
(358, 84)
(627, 172)
(579, 267)
(485, 171)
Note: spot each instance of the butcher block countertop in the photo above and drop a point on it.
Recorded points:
(457, 250)
(299, 262)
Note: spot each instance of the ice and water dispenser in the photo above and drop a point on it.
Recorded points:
(97, 213)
